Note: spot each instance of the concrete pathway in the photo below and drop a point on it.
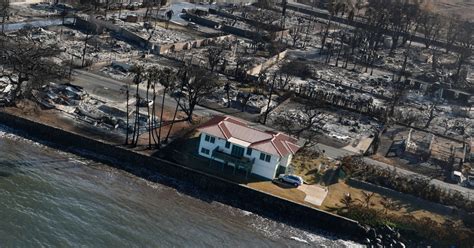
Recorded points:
(315, 194)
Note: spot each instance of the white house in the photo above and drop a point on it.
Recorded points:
(235, 143)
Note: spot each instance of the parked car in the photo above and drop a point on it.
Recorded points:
(291, 179)
(458, 177)
(63, 6)
(134, 6)
(193, 25)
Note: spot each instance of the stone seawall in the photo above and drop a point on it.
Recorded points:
(220, 189)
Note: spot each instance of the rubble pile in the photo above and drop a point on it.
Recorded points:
(343, 126)
(344, 83)
(24, 12)
(240, 53)
(155, 33)
(447, 119)
(75, 102)
(230, 22)
(99, 48)
(5, 91)
(122, 70)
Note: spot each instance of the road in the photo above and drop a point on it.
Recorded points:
(37, 23)
(324, 14)
(111, 89)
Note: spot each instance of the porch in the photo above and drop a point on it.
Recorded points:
(239, 162)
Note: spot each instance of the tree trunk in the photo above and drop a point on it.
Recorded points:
(267, 111)
(128, 116)
(228, 96)
(174, 119)
(339, 54)
(326, 32)
(149, 115)
(136, 126)
(190, 113)
(85, 49)
(161, 116)
(394, 44)
(459, 66)
(120, 9)
(3, 22)
(153, 127)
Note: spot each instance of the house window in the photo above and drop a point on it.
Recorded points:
(227, 144)
(249, 151)
(205, 151)
(237, 151)
(267, 158)
(210, 139)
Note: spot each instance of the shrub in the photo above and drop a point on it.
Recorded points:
(414, 185)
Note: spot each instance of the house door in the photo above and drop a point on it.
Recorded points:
(280, 170)
(237, 151)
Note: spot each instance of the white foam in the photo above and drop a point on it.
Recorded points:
(8, 133)
(299, 240)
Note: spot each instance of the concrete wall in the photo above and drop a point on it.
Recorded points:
(132, 38)
(98, 26)
(190, 44)
(254, 71)
(267, 27)
(218, 189)
(225, 28)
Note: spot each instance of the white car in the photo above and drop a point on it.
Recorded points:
(291, 179)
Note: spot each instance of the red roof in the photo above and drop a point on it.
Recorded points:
(270, 142)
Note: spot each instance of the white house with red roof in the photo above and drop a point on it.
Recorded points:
(233, 142)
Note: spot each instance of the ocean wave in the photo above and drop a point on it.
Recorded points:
(299, 240)
(12, 134)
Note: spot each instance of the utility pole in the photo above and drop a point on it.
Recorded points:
(283, 13)
(70, 67)
(85, 48)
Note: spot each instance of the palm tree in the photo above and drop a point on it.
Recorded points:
(128, 114)
(166, 80)
(367, 198)
(182, 75)
(149, 114)
(347, 200)
(153, 77)
(138, 70)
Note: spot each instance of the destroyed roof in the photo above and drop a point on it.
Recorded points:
(239, 132)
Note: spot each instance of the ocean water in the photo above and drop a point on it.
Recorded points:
(50, 198)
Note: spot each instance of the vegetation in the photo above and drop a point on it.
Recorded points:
(4, 12)
(415, 185)
(28, 65)
(447, 234)
(196, 84)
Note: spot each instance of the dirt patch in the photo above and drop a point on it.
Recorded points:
(417, 209)
(290, 193)
(463, 8)
(310, 168)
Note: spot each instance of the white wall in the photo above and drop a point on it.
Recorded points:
(285, 161)
(263, 168)
(260, 167)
